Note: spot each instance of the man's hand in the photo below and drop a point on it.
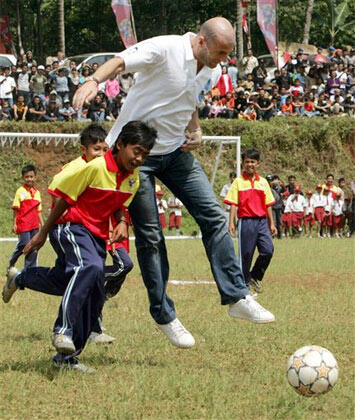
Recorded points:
(85, 94)
(36, 242)
(193, 141)
(119, 233)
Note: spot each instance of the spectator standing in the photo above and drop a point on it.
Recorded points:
(224, 192)
(233, 72)
(38, 82)
(60, 78)
(308, 214)
(224, 84)
(276, 189)
(29, 60)
(328, 213)
(23, 83)
(7, 87)
(112, 88)
(318, 204)
(162, 207)
(249, 63)
(259, 74)
(338, 215)
(297, 204)
(175, 214)
(286, 219)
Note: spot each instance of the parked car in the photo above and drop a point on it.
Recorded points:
(7, 60)
(90, 59)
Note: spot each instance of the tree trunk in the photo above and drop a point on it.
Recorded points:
(61, 29)
(307, 25)
(239, 31)
(19, 37)
(163, 17)
(39, 31)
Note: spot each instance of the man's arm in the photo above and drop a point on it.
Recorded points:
(14, 225)
(88, 90)
(40, 238)
(231, 225)
(120, 232)
(194, 135)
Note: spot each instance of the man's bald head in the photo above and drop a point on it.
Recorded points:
(216, 28)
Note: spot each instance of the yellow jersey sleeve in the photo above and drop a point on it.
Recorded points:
(72, 166)
(17, 199)
(232, 196)
(71, 184)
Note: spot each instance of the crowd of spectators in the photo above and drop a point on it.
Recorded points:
(321, 84)
(44, 92)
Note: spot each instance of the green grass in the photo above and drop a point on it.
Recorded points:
(235, 371)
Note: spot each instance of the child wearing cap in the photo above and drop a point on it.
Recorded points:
(328, 208)
(286, 220)
(318, 200)
(297, 204)
(308, 214)
(338, 215)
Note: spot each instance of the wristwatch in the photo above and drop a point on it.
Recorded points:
(92, 79)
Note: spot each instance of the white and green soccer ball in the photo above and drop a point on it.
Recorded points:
(312, 370)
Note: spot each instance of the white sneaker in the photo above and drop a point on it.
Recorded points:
(63, 343)
(10, 286)
(177, 334)
(250, 310)
(102, 338)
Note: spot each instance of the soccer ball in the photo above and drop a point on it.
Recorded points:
(312, 370)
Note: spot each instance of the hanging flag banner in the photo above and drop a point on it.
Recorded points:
(266, 17)
(122, 10)
(244, 17)
(5, 36)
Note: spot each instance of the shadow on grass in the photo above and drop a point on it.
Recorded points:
(33, 337)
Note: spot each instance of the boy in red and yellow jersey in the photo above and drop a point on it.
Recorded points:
(253, 197)
(94, 194)
(27, 216)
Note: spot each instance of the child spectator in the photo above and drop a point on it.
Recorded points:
(67, 112)
(318, 203)
(20, 109)
(162, 207)
(250, 113)
(93, 194)
(338, 215)
(328, 213)
(308, 214)
(5, 112)
(27, 216)
(224, 192)
(296, 90)
(253, 197)
(309, 108)
(288, 107)
(297, 204)
(175, 216)
(286, 219)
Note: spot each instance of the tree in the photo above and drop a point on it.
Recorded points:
(19, 37)
(61, 28)
(307, 25)
(239, 30)
(338, 15)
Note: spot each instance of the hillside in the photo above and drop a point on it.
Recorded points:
(307, 148)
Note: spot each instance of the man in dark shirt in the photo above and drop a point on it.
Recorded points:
(263, 106)
(284, 80)
(240, 102)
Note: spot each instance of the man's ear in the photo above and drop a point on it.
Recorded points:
(119, 144)
(82, 148)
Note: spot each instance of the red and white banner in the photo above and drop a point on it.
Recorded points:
(122, 10)
(5, 36)
(245, 18)
(266, 17)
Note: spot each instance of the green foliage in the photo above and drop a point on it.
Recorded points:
(90, 25)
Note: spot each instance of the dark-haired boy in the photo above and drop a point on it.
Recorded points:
(91, 195)
(253, 197)
(27, 216)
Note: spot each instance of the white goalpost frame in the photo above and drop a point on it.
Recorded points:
(10, 139)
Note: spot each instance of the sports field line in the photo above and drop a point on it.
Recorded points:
(183, 282)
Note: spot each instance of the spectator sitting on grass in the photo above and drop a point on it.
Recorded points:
(323, 105)
(52, 112)
(36, 110)
(96, 111)
(309, 109)
(336, 107)
(288, 108)
(67, 112)
(6, 111)
(250, 113)
(263, 106)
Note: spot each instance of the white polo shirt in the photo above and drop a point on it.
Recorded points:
(296, 203)
(166, 90)
(5, 87)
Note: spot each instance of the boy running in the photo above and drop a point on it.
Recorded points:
(253, 197)
(85, 194)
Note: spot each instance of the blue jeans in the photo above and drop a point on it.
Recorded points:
(183, 175)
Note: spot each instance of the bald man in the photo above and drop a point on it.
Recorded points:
(172, 71)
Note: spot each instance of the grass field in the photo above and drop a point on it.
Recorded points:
(235, 371)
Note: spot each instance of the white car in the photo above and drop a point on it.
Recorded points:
(7, 60)
(90, 59)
